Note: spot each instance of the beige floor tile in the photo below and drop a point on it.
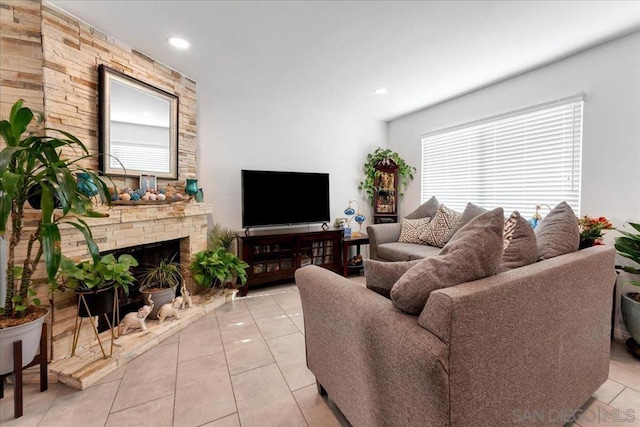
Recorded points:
(199, 342)
(264, 399)
(171, 340)
(236, 305)
(85, 408)
(315, 408)
(628, 400)
(626, 373)
(290, 355)
(273, 322)
(596, 414)
(289, 302)
(271, 290)
(608, 391)
(34, 405)
(210, 321)
(298, 320)
(245, 349)
(203, 391)
(255, 302)
(157, 413)
(229, 421)
(148, 377)
(236, 318)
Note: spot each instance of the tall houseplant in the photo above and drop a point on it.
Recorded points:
(34, 161)
(212, 267)
(405, 171)
(628, 246)
(30, 164)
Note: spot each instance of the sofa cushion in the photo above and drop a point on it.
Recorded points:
(412, 229)
(472, 253)
(558, 233)
(441, 224)
(381, 276)
(397, 251)
(427, 209)
(520, 246)
(470, 211)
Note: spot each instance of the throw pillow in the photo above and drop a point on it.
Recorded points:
(473, 253)
(438, 229)
(412, 229)
(558, 233)
(470, 211)
(381, 276)
(427, 209)
(520, 247)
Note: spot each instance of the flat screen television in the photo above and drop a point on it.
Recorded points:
(284, 198)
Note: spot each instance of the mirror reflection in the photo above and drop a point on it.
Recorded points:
(139, 127)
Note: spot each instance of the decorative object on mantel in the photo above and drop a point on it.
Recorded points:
(628, 246)
(148, 183)
(33, 163)
(591, 230)
(167, 310)
(136, 319)
(355, 214)
(191, 188)
(536, 217)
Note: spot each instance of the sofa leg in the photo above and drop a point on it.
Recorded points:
(321, 390)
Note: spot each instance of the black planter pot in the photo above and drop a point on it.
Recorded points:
(99, 302)
(33, 196)
(584, 244)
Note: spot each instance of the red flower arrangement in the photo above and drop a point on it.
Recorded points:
(591, 230)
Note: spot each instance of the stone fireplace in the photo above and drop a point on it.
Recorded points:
(128, 226)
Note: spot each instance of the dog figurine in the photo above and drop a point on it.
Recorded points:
(167, 310)
(136, 320)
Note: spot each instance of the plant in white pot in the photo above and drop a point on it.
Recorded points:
(628, 246)
(160, 283)
(31, 165)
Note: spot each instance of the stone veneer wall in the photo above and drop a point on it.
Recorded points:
(50, 59)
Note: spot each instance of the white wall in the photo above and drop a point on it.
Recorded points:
(235, 134)
(609, 76)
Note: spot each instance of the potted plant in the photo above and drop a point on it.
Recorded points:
(160, 282)
(212, 267)
(222, 237)
(591, 230)
(405, 172)
(32, 164)
(628, 246)
(98, 282)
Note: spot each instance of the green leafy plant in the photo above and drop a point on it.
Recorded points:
(33, 164)
(212, 267)
(165, 275)
(628, 246)
(222, 237)
(107, 272)
(405, 171)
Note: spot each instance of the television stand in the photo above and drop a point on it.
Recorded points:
(274, 256)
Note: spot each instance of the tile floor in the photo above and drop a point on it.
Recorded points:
(243, 365)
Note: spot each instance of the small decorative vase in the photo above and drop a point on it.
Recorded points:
(192, 187)
(200, 196)
(86, 185)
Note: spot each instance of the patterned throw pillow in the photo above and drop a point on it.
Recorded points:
(520, 246)
(412, 229)
(438, 229)
(509, 228)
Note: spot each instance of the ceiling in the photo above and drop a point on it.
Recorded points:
(332, 55)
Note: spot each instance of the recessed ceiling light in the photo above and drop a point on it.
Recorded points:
(178, 42)
(381, 91)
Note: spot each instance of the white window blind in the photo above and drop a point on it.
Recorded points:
(514, 161)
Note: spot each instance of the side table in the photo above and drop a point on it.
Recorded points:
(356, 241)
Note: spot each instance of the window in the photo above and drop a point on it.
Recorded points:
(514, 161)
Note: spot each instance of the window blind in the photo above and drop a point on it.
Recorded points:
(515, 161)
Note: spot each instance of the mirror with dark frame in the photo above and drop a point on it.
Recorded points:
(138, 127)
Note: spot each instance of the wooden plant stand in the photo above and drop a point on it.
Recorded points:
(40, 359)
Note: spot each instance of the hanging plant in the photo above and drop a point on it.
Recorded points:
(405, 171)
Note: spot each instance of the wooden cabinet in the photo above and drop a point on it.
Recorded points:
(385, 197)
(276, 256)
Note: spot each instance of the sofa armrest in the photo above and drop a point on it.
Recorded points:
(532, 338)
(374, 361)
(382, 233)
